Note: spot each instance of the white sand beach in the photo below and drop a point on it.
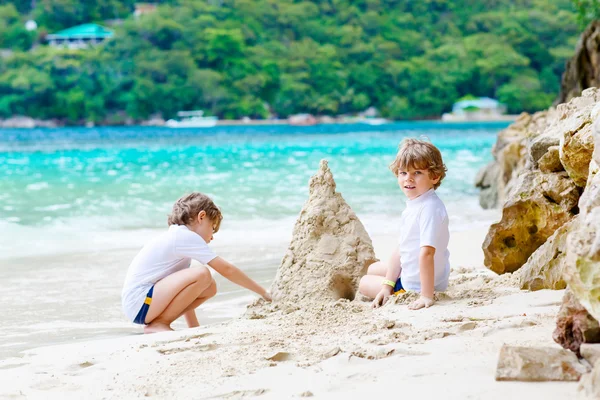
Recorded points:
(337, 350)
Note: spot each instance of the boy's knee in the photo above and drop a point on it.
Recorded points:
(361, 286)
(376, 268)
(202, 274)
(212, 289)
(371, 269)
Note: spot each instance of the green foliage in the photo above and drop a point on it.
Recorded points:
(235, 58)
(524, 93)
(61, 14)
(587, 11)
(12, 31)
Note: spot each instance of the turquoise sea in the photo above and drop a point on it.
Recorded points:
(77, 203)
(128, 178)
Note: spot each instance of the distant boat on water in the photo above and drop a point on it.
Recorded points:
(192, 119)
(372, 121)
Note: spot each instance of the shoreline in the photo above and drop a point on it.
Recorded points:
(111, 263)
(30, 123)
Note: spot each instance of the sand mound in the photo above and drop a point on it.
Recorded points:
(330, 248)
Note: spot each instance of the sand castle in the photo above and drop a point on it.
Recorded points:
(330, 249)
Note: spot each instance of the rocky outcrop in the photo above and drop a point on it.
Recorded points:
(544, 268)
(154, 120)
(583, 70)
(575, 130)
(529, 144)
(550, 161)
(330, 249)
(20, 121)
(487, 180)
(544, 193)
(509, 158)
(583, 244)
(538, 364)
(538, 206)
(574, 325)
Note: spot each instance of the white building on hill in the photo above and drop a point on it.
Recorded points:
(480, 109)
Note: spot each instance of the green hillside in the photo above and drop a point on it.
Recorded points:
(235, 58)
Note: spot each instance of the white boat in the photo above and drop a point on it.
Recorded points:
(373, 121)
(192, 119)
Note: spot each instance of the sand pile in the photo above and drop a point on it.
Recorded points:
(330, 248)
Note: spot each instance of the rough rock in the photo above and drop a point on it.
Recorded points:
(508, 154)
(550, 161)
(576, 152)
(538, 147)
(589, 385)
(544, 268)
(18, 122)
(528, 145)
(538, 364)
(518, 147)
(574, 325)
(487, 181)
(583, 70)
(330, 249)
(538, 205)
(583, 244)
(154, 120)
(590, 351)
(576, 139)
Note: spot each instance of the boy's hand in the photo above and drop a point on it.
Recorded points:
(382, 297)
(422, 302)
(267, 296)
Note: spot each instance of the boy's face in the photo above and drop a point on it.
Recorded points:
(415, 182)
(204, 227)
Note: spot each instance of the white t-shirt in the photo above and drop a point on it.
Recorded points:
(424, 222)
(168, 253)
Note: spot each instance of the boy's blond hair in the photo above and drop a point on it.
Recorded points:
(186, 210)
(419, 154)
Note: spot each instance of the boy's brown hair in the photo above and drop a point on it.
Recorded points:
(186, 210)
(419, 154)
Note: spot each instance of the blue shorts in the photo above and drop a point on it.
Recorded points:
(399, 288)
(141, 317)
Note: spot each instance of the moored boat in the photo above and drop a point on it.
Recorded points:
(192, 119)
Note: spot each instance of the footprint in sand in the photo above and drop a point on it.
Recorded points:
(196, 348)
(238, 394)
(373, 354)
(280, 356)
(464, 327)
(182, 339)
(76, 369)
(86, 364)
(509, 325)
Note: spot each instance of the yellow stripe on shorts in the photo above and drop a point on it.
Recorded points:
(148, 300)
(400, 291)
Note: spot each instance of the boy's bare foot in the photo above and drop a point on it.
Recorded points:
(154, 327)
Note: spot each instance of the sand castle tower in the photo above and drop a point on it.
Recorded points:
(330, 249)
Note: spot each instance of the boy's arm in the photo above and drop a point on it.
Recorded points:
(238, 277)
(426, 272)
(191, 319)
(394, 266)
